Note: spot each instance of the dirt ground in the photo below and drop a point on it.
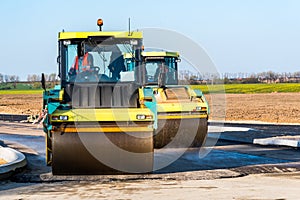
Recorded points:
(21, 104)
(278, 107)
(273, 107)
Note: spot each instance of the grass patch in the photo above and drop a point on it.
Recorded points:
(229, 88)
(250, 88)
(4, 92)
(17, 86)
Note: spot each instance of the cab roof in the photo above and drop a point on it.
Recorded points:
(82, 35)
(155, 54)
(160, 54)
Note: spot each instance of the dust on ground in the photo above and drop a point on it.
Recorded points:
(273, 107)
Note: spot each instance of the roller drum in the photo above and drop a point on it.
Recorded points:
(87, 153)
(181, 133)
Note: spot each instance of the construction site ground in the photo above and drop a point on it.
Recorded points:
(234, 167)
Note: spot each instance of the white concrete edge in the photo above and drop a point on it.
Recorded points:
(277, 141)
(221, 129)
(15, 160)
(252, 122)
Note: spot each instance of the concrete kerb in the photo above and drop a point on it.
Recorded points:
(15, 160)
(279, 141)
(290, 141)
(216, 122)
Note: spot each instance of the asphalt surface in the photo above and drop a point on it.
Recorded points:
(228, 168)
(231, 156)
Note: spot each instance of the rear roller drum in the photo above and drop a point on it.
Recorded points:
(179, 133)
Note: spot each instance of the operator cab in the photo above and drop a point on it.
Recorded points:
(96, 59)
(92, 68)
(160, 68)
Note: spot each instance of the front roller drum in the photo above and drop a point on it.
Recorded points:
(181, 133)
(88, 153)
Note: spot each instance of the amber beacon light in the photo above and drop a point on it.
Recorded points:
(100, 24)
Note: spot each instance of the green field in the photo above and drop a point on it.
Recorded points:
(12, 91)
(250, 88)
(229, 88)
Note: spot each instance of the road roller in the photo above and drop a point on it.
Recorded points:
(100, 119)
(182, 112)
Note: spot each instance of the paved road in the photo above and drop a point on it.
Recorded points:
(260, 187)
(29, 139)
(225, 159)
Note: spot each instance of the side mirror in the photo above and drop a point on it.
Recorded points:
(43, 81)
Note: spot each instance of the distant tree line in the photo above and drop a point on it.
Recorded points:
(230, 78)
(32, 82)
(30, 78)
(9, 78)
(49, 77)
(184, 78)
(35, 79)
(13, 79)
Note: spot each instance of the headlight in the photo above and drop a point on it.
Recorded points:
(63, 117)
(199, 108)
(143, 117)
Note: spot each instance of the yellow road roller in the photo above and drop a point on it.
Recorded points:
(96, 121)
(115, 103)
(182, 111)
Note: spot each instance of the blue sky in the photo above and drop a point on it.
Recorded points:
(239, 35)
